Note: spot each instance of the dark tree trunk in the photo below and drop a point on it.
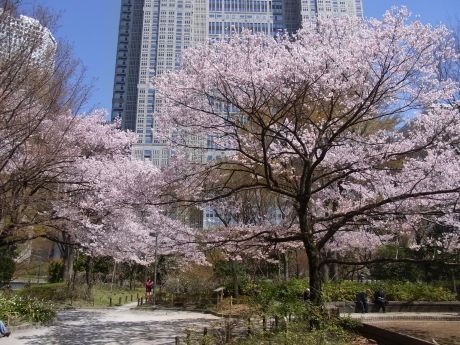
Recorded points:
(286, 266)
(113, 274)
(297, 268)
(314, 273)
(89, 278)
(313, 254)
(334, 268)
(325, 273)
(68, 257)
(236, 283)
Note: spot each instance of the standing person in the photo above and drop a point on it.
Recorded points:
(307, 295)
(361, 301)
(3, 330)
(148, 290)
(380, 300)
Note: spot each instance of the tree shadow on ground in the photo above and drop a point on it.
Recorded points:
(85, 329)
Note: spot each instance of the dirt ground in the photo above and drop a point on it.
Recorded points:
(442, 332)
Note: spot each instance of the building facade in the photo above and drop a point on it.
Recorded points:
(124, 101)
(153, 34)
(26, 37)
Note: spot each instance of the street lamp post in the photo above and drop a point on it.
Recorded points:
(154, 234)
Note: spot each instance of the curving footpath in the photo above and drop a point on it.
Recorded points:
(120, 325)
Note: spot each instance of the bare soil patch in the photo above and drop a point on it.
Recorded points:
(442, 332)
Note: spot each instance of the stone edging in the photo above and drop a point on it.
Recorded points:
(382, 317)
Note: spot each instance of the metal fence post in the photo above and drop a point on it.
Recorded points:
(228, 335)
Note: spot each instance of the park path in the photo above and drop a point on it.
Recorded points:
(121, 325)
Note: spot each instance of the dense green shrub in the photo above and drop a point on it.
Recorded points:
(394, 290)
(423, 271)
(56, 271)
(49, 292)
(286, 297)
(7, 263)
(298, 333)
(278, 298)
(28, 309)
(232, 275)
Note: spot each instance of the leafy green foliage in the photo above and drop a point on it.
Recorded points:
(7, 263)
(396, 270)
(299, 333)
(28, 309)
(57, 292)
(101, 264)
(278, 298)
(56, 271)
(228, 271)
(423, 271)
(283, 298)
(394, 290)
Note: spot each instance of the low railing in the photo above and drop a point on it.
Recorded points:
(229, 329)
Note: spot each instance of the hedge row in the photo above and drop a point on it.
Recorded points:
(346, 290)
(394, 290)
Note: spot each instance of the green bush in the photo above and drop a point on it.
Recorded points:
(49, 292)
(394, 290)
(28, 309)
(56, 271)
(299, 334)
(281, 298)
(7, 263)
(278, 298)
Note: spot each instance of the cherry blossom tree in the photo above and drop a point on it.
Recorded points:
(66, 176)
(39, 84)
(304, 118)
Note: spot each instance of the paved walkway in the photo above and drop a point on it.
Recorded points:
(403, 316)
(112, 326)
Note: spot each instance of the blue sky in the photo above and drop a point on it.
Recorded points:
(91, 27)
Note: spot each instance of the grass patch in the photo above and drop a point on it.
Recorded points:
(60, 294)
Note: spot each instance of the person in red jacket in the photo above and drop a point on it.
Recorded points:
(148, 290)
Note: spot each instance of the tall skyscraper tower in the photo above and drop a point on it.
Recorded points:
(124, 100)
(310, 9)
(153, 34)
(25, 36)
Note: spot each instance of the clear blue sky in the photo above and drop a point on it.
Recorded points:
(91, 27)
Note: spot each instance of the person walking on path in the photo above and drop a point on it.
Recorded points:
(380, 300)
(148, 290)
(3, 330)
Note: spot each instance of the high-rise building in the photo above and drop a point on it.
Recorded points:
(26, 36)
(310, 9)
(124, 101)
(153, 34)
